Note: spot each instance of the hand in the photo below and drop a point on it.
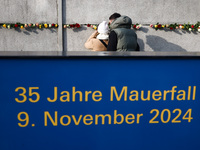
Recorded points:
(95, 33)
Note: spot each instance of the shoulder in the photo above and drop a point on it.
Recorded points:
(113, 33)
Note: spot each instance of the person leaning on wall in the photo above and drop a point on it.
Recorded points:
(98, 41)
(122, 37)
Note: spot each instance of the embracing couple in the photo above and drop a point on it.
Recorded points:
(120, 36)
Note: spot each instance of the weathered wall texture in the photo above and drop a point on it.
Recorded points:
(144, 12)
(94, 12)
(28, 11)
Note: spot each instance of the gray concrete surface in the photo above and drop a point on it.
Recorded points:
(148, 39)
(144, 12)
(83, 11)
(28, 11)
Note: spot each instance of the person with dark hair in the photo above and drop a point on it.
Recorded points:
(121, 37)
(113, 17)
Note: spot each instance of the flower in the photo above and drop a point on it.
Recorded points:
(22, 27)
(94, 27)
(88, 25)
(50, 25)
(163, 26)
(167, 25)
(16, 25)
(156, 26)
(151, 25)
(56, 25)
(78, 25)
(40, 26)
(199, 29)
(26, 25)
(65, 26)
(53, 25)
(4, 25)
(176, 27)
(190, 29)
(134, 26)
(46, 25)
(180, 26)
(33, 25)
(171, 28)
(37, 24)
(138, 27)
(30, 25)
(159, 25)
(8, 26)
(192, 26)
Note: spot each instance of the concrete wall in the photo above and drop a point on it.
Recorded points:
(28, 11)
(95, 11)
(144, 12)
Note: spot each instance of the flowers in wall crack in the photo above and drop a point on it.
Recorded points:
(30, 25)
(158, 26)
(188, 26)
(77, 25)
(72, 26)
(136, 26)
(93, 26)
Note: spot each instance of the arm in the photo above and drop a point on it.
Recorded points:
(89, 43)
(112, 44)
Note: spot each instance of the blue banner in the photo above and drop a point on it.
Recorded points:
(99, 104)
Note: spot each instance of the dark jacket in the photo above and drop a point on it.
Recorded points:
(126, 38)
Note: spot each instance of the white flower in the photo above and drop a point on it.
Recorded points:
(199, 29)
(190, 29)
(8, 26)
(139, 26)
(181, 27)
(49, 25)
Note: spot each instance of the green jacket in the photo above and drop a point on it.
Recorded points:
(127, 38)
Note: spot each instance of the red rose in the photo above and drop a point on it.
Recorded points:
(37, 24)
(88, 25)
(171, 28)
(159, 26)
(192, 26)
(16, 25)
(78, 25)
(53, 25)
(134, 26)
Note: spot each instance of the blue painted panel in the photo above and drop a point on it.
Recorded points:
(172, 87)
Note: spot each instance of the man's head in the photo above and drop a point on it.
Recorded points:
(113, 17)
